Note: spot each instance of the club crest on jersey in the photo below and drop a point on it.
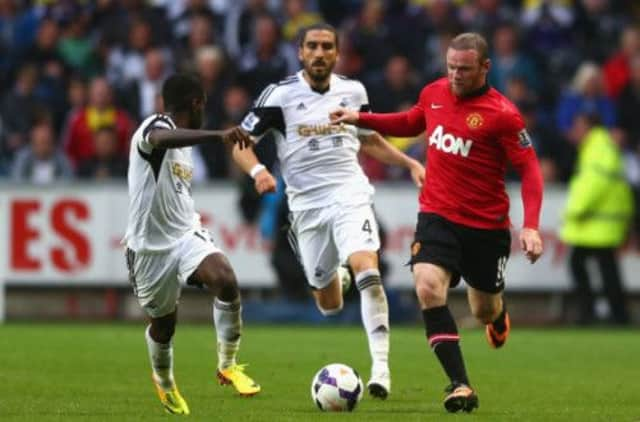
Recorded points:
(474, 120)
(344, 102)
(525, 139)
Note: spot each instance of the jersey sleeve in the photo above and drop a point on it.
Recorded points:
(158, 122)
(518, 147)
(363, 107)
(266, 114)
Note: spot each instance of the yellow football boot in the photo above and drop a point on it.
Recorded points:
(235, 376)
(171, 399)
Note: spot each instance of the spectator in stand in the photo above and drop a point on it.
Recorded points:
(106, 163)
(586, 95)
(548, 26)
(17, 30)
(517, 90)
(19, 110)
(194, 10)
(484, 16)
(508, 60)
(113, 18)
(75, 46)
(44, 49)
(398, 87)
(298, 16)
(597, 27)
(629, 104)
(336, 12)
(139, 96)
(41, 162)
(268, 59)
(399, 16)
(52, 83)
(435, 66)
(126, 64)
(440, 16)
(76, 100)
(240, 24)
(236, 103)
(99, 112)
(617, 69)
(369, 36)
(351, 63)
(212, 70)
(200, 35)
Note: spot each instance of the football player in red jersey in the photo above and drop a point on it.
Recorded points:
(472, 131)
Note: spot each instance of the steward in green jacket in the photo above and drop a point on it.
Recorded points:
(600, 203)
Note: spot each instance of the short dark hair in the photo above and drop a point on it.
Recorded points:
(471, 41)
(320, 26)
(179, 91)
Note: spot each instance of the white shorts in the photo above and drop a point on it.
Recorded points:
(156, 277)
(324, 238)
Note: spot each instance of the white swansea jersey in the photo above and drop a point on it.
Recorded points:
(161, 209)
(318, 159)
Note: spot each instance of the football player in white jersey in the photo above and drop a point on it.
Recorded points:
(166, 245)
(329, 195)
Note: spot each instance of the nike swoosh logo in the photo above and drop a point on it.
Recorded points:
(436, 106)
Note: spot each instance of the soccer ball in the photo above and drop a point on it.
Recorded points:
(336, 388)
(345, 278)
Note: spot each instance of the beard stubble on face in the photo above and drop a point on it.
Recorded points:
(319, 74)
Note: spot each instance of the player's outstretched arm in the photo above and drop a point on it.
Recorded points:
(179, 138)
(405, 123)
(380, 149)
(246, 159)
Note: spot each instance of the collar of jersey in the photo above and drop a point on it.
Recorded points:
(478, 92)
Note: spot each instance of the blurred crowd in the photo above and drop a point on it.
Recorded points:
(77, 76)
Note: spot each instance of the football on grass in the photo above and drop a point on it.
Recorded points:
(336, 388)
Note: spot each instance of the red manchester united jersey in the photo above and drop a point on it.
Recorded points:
(470, 141)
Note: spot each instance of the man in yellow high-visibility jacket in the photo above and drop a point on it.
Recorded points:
(597, 216)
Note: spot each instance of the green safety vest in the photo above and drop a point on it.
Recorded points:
(600, 203)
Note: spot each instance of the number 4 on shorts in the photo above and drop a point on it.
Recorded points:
(366, 227)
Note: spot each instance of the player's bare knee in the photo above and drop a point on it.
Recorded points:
(430, 291)
(363, 261)
(329, 305)
(225, 277)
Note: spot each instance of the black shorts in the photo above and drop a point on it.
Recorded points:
(478, 255)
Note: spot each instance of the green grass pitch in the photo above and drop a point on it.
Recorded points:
(100, 372)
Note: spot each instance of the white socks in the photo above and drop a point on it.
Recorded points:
(228, 322)
(375, 314)
(161, 358)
